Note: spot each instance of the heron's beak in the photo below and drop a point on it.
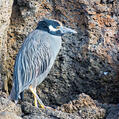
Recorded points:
(66, 30)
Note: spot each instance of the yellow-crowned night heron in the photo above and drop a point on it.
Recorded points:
(36, 57)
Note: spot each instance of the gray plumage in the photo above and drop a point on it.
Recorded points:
(37, 55)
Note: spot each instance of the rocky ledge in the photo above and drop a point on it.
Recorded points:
(84, 107)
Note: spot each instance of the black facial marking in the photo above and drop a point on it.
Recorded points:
(44, 25)
(52, 23)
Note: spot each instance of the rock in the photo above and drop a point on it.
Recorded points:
(9, 115)
(32, 112)
(8, 106)
(5, 14)
(113, 112)
(85, 107)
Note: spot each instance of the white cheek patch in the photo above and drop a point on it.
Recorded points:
(52, 28)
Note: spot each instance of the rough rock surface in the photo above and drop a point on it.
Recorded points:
(5, 14)
(82, 108)
(32, 112)
(9, 115)
(8, 109)
(8, 106)
(113, 112)
(85, 107)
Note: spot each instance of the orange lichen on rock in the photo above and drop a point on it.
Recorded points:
(103, 20)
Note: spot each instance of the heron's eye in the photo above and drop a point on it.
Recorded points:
(58, 27)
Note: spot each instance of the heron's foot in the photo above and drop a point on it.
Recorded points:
(41, 103)
(50, 108)
(36, 98)
(42, 106)
(36, 105)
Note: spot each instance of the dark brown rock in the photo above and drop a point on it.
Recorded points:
(8, 106)
(5, 14)
(32, 112)
(9, 115)
(85, 107)
(113, 112)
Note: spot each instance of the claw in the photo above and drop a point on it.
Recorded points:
(36, 96)
(42, 106)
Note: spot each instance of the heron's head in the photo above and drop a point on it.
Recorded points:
(54, 27)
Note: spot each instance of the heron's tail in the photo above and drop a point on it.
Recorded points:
(13, 95)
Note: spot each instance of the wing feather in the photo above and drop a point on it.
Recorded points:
(32, 60)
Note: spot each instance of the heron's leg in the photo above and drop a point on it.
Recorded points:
(22, 95)
(39, 100)
(35, 99)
